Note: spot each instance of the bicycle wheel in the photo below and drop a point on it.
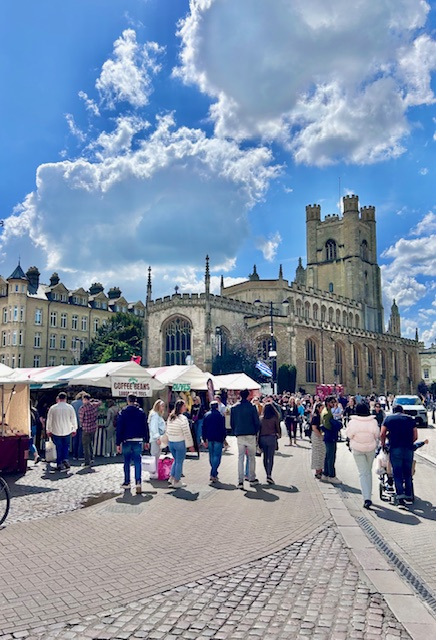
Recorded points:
(5, 500)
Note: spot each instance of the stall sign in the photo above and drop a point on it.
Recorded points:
(121, 387)
(178, 386)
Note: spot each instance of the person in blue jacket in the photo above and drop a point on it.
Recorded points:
(132, 436)
(214, 435)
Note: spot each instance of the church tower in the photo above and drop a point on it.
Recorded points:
(342, 257)
(394, 327)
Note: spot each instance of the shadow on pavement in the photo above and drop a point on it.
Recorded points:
(55, 476)
(281, 487)
(183, 494)
(223, 486)
(18, 491)
(283, 455)
(394, 515)
(135, 499)
(347, 488)
(423, 509)
(261, 494)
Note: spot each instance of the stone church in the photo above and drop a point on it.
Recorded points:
(328, 322)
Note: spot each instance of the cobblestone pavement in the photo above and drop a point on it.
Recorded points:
(310, 589)
(208, 561)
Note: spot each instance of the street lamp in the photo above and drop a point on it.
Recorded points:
(272, 352)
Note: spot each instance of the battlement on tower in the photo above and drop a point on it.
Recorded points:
(350, 204)
(313, 212)
(367, 214)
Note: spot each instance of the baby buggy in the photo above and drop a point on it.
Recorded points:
(385, 476)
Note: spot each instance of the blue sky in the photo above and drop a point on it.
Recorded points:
(152, 132)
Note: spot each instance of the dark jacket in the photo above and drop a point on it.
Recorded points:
(132, 424)
(214, 426)
(244, 419)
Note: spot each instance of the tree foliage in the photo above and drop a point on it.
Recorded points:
(239, 355)
(117, 340)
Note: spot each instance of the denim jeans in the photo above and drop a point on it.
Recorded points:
(62, 444)
(402, 461)
(87, 440)
(249, 443)
(268, 446)
(330, 459)
(77, 444)
(215, 453)
(198, 428)
(132, 455)
(178, 451)
(364, 462)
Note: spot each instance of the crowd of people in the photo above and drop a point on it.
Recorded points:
(257, 424)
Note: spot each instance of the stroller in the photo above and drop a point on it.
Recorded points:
(385, 476)
(384, 471)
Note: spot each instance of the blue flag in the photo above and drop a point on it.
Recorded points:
(264, 369)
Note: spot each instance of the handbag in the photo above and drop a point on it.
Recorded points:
(164, 440)
(148, 464)
(50, 451)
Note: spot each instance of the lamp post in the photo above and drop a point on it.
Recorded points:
(272, 352)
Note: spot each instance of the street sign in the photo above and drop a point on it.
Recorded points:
(121, 387)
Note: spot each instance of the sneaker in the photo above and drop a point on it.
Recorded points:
(170, 480)
(408, 500)
(241, 485)
(254, 481)
(270, 480)
(125, 485)
(59, 467)
(138, 488)
(66, 464)
(367, 504)
(334, 480)
(401, 502)
(324, 478)
(178, 484)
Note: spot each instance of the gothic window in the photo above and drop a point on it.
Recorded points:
(298, 308)
(364, 254)
(306, 310)
(323, 313)
(222, 341)
(338, 316)
(357, 365)
(330, 250)
(263, 348)
(315, 312)
(311, 362)
(350, 319)
(345, 319)
(409, 366)
(383, 364)
(370, 364)
(177, 336)
(331, 312)
(394, 364)
(339, 363)
(357, 321)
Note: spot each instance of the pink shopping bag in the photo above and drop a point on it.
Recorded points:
(164, 468)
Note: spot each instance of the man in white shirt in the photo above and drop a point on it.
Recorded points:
(61, 424)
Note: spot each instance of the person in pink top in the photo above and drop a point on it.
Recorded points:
(363, 433)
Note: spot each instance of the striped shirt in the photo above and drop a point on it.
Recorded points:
(88, 414)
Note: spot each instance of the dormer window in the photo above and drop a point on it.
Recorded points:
(330, 250)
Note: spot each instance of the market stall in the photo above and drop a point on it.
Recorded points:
(14, 424)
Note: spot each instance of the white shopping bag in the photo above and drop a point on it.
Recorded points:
(148, 464)
(50, 451)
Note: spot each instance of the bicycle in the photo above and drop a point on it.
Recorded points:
(5, 500)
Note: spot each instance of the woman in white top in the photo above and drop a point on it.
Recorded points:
(363, 432)
(179, 439)
(157, 426)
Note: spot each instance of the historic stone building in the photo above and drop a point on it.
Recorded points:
(328, 322)
(48, 325)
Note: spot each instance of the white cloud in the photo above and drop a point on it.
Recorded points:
(148, 195)
(269, 246)
(426, 225)
(127, 76)
(89, 103)
(74, 129)
(326, 82)
(423, 171)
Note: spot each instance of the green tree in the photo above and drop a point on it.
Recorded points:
(117, 340)
(239, 355)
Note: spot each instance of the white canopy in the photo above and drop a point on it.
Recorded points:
(96, 375)
(235, 381)
(190, 375)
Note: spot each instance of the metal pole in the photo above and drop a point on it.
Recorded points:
(273, 349)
